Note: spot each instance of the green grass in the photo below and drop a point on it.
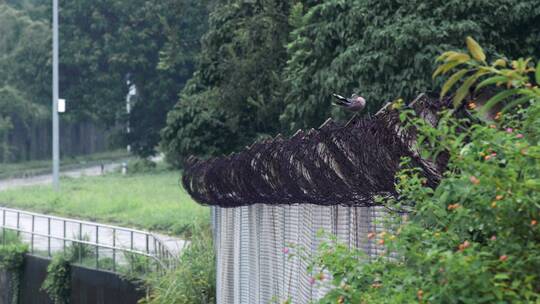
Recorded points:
(36, 167)
(153, 201)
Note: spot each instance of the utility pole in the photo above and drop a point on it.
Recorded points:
(55, 122)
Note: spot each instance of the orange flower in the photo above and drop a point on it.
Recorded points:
(499, 197)
(371, 235)
(493, 126)
(464, 246)
(534, 222)
(453, 206)
(487, 157)
(503, 258)
(498, 116)
(381, 242)
(474, 180)
(472, 105)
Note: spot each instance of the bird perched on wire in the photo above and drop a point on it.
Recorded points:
(355, 103)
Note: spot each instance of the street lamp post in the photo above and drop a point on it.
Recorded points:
(55, 121)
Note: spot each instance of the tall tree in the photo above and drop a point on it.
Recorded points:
(24, 82)
(25, 55)
(232, 97)
(105, 40)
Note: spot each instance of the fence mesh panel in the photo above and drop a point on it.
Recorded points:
(252, 266)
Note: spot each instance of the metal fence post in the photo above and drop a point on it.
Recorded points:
(114, 250)
(4, 226)
(80, 247)
(131, 257)
(18, 223)
(97, 247)
(32, 237)
(49, 236)
(64, 240)
(147, 252)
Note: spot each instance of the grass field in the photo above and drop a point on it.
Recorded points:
(153, 201)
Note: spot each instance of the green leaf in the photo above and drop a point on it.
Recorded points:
(459, 57)
(496, 99)
(502, 276)
(491, 80)
(537, 76)
(475, 49)
(444, 55)
(464, 89)
(499, 62)
(516, 102)
(452, 80)
(442, 69)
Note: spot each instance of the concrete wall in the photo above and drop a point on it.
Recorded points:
(5, 288)
(88, 286)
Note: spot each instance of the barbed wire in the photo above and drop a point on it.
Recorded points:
(335, 164)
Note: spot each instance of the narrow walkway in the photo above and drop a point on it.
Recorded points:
(47, 178)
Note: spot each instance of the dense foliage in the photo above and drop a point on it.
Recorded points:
(263, 67)
(101, 42)
(193, 281)
(57, 284)
(385, 49)
(249, 85)
(233, 96)
(12, 259)
(105, 41)
(23, 45)
(475, 238)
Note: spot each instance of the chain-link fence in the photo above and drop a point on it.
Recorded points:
(253, 265)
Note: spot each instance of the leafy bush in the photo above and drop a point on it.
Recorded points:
(141, 165)
(9, 237)
(57, 284)
(193, 281)
(12, 259)
(475, 238)
(77, 252)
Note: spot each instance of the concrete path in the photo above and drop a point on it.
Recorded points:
(47, 178)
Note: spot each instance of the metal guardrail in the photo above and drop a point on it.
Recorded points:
(89, 240)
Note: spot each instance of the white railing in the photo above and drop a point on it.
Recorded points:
(91, 244)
